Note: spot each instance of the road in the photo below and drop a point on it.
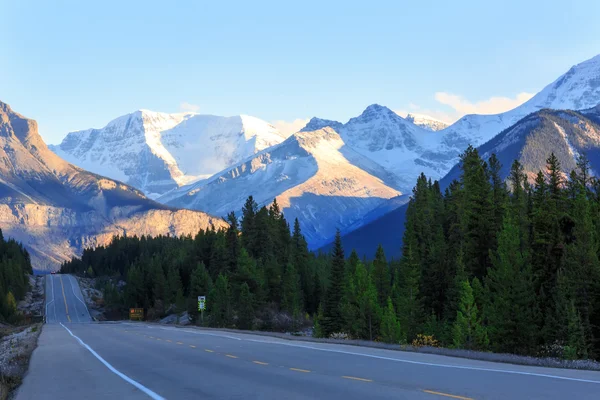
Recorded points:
(64, 301)
(79, 360)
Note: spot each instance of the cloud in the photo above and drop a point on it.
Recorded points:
(289, 127)
(461, 106)
(493, 105)
(185, 106)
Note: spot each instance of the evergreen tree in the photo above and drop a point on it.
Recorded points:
(381, 277)
(219, 303)
(291, 291)
(509, 296)
(468, 331)
(391, 331)
(246, 309)
(477, 213)
(332, 315)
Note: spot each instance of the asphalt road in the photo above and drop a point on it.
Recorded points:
(136, 360)
(64, 301)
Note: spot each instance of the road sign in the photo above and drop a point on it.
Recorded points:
(201, 303)
(136, 313)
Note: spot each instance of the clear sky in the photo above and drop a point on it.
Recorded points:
(78, 64)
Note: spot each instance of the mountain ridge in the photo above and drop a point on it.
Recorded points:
(57, 209)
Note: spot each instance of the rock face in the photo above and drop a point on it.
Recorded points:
(315, 177)
(156, 152)
(56, 209)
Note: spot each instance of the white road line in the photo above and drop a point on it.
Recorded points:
(127, 379)
(505, 371)
(82, 302)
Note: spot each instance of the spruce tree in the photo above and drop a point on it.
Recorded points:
(332, 315)
(391, 331)
(381, 277)
(246, 308)
(219, 303)
(468, 331)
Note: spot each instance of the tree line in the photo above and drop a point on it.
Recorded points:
(487, 264)
(15, 267)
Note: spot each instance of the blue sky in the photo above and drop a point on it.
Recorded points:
(78, 64)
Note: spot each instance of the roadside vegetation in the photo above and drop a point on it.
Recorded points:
(15, 270)
(487, 265)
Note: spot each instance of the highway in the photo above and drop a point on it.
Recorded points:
(76, 359)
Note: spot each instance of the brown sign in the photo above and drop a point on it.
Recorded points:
(136, 313)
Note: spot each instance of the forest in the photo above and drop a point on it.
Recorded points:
(15, 268)
(487, 264)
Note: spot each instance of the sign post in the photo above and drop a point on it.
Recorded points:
(201, 307)
(136, 313)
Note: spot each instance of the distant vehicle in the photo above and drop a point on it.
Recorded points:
(53, 272)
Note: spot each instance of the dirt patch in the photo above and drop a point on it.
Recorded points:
(16, 346)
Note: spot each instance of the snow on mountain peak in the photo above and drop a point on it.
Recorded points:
(426, 122)
(157, 151)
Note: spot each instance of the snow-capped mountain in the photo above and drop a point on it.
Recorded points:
(567, 134)
(426, 122)
(577, 89)
(156, 152)
(315, 176)
(57, 209)
(388, 140)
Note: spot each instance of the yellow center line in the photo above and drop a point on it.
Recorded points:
(65, 298)
(208, 351)
(299, 370)
(354, 378)
(151, 337)
(447, 395)
(179, 342)
(158, 338)
(169, 341)
(230, 356)
(192, 346)
(260, 363)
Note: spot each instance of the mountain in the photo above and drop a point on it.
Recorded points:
(569, 134)
(388, 140)
(577, 89)
(156, 152)
(426, 122)
(315, 176)
(56, 209)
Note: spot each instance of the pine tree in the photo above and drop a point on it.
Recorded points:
(477, 214)
(381, 277)
(391, 332)
(406, 293)
(219, 303)
(292, 300)
(246, 308)
(468, 331)
(232, 242)
(332, 315)
(509, 295)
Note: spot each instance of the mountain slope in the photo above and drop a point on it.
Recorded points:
(577, 89)
(426, 122)
(315, 177)
(156, 152)
(57, 209)
(568, 134)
